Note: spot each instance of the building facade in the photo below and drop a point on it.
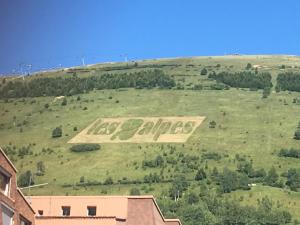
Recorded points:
(14, 209)
(100, 210)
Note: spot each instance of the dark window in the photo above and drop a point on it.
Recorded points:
(66, 210)
(24, 221)
(4, 182)
(91, 210)
(40, 212)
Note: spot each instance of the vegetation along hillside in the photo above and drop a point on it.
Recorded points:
(238, 164)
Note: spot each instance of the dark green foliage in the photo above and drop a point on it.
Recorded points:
(204, 72)
(271, 178)
(297, 135)
(25, 179)
(212, 124)
(266, 92)
(179, 185)
(245, 167)
(192, 198)
(108, 181)
(294, 153)
(231, 181)
(289, 81)
(197, 214)
(58, 86)
(57, 132)
(40, 167)
(244, 79)
(64, 102)
(249, 66)
(211, 155)
(135, 191)
(152, 178)
(293, 179)
(85, 147)
(157, 162)
(81, 180)
(200, 175)
(46, 106)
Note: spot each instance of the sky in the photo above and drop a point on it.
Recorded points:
(38, 35)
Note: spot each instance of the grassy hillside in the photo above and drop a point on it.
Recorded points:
(247, 126)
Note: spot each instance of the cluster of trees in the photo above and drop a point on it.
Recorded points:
(157, 162)
(85, 147)
(294, 153)
(208, 208)
(289, 81)
(244, 79)
(58, 86)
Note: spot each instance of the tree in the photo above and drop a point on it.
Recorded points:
(197, 214)
(192, 198)
(200, 175)
(108, 181)
(293, 179)
(159, 161)
(64, 102)
(266, 92)
(297, 135)
(179, 185)
(81, 180)
(26, 179)
(40, 168)
(212, 124)
(135, 191)
(249, 66)
(272, 177)
(57, 132)
(203, 72)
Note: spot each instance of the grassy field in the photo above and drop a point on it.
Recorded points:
(247, 125)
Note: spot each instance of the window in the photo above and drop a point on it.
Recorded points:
(91, 210)
(7, 215)
(4, 182)
(40, 212)
(66, 210)
(24, 221)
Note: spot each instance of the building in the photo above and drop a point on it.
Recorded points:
(14, 209)
(98, 210)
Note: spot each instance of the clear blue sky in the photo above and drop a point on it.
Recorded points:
(49, 33)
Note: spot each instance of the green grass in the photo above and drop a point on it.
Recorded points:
(246, 125)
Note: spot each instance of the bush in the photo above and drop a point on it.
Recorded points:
(108, 181)
(25, 179)
(135, 191)
(64, 102)
(297, 135)
(57, 132)
(85, 147)
(204, 72)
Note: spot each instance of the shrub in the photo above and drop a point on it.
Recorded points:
(57, 132)
(297, 135)
(203, 72)
(135, 191)
(85, 147)
(108, 181)
(64, 102)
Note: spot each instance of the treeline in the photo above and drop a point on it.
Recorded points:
(58, 86)
(244, 79)
(289, 81)
(293, 153)
(207, 208)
